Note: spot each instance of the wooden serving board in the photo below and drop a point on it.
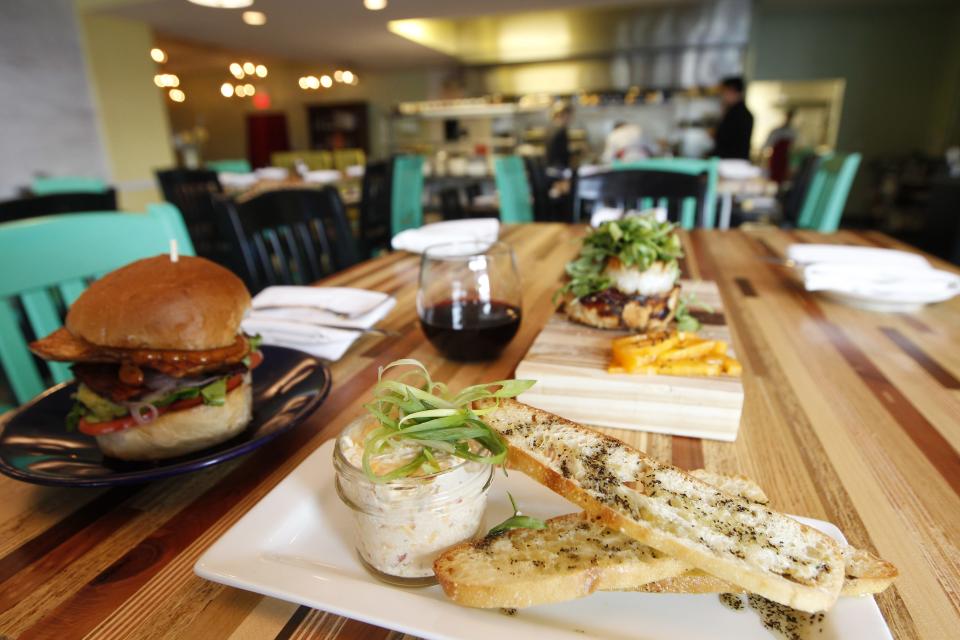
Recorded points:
(569, 362)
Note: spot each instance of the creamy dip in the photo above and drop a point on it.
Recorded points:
(403, 525)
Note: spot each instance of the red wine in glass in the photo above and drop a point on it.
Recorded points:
(470, 329)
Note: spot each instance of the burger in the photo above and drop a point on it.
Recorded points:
(626, 276)
(162, 368)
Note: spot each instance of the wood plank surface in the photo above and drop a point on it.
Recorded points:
(569, 362)
(849, 416)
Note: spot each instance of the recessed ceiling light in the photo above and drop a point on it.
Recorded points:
(255, 18)
(375, 5)
(236, 70)
(326, 81)
(312, 82)
(177, 95)
(223, 4)
(249, 89)
(261, 70)
(240, 90)
(347, 77)
(249, 68)
(158, 55)
(226, 89)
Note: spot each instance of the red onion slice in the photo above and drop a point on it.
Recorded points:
(143, 412)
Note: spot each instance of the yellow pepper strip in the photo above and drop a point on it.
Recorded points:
(693, 352)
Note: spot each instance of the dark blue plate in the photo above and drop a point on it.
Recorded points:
(35, 446)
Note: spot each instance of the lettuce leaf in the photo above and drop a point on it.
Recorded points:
(215, 393)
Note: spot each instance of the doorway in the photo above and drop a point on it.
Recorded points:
(266, 134)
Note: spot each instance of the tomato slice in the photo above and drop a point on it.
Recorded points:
(126, 422)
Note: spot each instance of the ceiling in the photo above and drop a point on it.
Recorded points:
(339, 32)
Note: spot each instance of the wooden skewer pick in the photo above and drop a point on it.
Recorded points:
(174, 254)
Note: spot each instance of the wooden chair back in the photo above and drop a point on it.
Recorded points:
(289, 236)
(375, 207)
(516, 204)
(827, 196)
(683, 195)
(696, 211)
(47, 263)
(32, 207)
(192, 192)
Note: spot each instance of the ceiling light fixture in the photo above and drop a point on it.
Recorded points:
(261, 71)
(236, 70)
(249, 68)
(249, 89)
(159, 55)
(338, 75)
(255, 18)
(177, 95)
(223, 4)
(303, 83)
(313, 82)
(226, 90)
(375, 5)
(326, 81)
(347, 77)
(158, 80)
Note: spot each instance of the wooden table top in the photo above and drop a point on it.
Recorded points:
(850, 417)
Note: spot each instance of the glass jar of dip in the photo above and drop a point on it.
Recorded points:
(404, 524)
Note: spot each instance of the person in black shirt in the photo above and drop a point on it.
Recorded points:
(732, 137)
(558, 140)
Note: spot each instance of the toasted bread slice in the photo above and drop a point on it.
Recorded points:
(866, 574)
(760, 550)
(576, 555)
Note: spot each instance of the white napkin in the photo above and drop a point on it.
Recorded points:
(307, 318)
(738, 170)
(886, 282)
(322, 176)
(237, 180)
(472, 229)
(272, 173)
(355, 171)
(804, 254)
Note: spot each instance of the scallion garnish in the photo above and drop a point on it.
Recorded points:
(427, 414)
(517, 521)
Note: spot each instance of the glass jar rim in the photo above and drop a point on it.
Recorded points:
(471, 249)
(348, 468)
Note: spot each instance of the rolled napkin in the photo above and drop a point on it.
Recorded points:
(237, 180)
(898, 283)
(738, 170)
(322, 321)
(322, 176)
(804, 254)
(471, 229)
(272, 173)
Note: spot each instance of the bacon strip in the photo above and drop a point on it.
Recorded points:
(63, 346)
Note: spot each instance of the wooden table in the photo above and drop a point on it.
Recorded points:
(850, 417)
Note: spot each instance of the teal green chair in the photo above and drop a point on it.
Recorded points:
(828, 191)
(514, 189)
(238, 165)
(406, 194)
(67, 184)
(687, 166)
(49, 259)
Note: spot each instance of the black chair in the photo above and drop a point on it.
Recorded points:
(638, 189)
(543, 206)
(192, 191)
(792, 200)
(33, 206)
(375, 207)
(288, 236)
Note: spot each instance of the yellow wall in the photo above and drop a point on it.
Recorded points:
(131, 109)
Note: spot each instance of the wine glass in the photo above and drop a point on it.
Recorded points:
(469, 298)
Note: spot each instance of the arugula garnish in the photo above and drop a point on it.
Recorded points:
(429, 415)
(636, 241)
(517, 521)
(685, 319)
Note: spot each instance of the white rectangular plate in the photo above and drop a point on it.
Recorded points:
(295, 545)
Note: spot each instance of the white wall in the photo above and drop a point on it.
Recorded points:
(48, 122)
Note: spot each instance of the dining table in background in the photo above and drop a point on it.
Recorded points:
(850, 417)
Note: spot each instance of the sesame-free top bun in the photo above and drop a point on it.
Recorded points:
(185, 431)
(191, 304)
